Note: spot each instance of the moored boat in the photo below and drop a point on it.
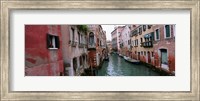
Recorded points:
(120, 55)
(131, 60)
(106, 59)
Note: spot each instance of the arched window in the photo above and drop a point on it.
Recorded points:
(91, 38)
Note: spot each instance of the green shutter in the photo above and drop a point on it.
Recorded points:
(152, 36)
(167, 28)
(157, 34)
(57, 42)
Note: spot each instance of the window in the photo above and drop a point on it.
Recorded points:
(72, 34)
(141, 40)
(149, 26)
(136, 42)
(144, 27)
(152, 54)
(157, 34)
(52, 42)
(91, 38)
(141, 52)
(79, 38)
(80, 60)
(144, 53)
(174, 30)
(140, 30)
(167, 31)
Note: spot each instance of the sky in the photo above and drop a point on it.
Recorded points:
(109, 29)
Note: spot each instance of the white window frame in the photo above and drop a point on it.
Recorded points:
(53, 40)
(169, 32)
(156, 35)
(71, 38)
(174, 30)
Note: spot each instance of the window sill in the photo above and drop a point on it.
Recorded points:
(52, 48)
(167, 38)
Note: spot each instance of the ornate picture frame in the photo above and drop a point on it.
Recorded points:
(7, 6)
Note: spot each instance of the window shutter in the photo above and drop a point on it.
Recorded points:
(48, 40)
(157, 34)
(167, 31)
(57, 42)
(152, 36)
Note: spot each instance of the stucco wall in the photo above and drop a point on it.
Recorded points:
(39, 60)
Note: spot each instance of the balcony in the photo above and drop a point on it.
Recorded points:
(148, 44)
(81, 45)
(141, 44)
(91, 45)
(103, 46)
(85, 45)
(72, 43)
(85, 50)
(130, 47)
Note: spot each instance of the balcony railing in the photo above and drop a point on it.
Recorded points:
(148, 44)
(72, 43)
(85, 50)
(91, 45)
(85, 44)
(141, 44)
(103, 46)
(81, 45)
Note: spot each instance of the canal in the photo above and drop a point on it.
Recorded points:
(117, 66)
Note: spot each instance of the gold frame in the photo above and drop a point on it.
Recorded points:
(192, 5)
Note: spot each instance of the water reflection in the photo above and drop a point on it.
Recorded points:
(117, 66)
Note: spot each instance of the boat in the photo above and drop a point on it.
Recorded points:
(131, 60)
(106, 59)
(126, 57)
(120, 55)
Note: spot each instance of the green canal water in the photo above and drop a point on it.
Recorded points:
(117, 66)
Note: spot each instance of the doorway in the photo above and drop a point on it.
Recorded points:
(74, 65)
(164, 59)
(138, 55)
(149, 57)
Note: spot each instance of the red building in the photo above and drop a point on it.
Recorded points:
(164, 47)
(43, 55)
(96, 46)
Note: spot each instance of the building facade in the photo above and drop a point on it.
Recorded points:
(43, 52)
(116, 36)
(154, 45)
(74, 50)
(96, 46)
(164, 47)
(125, 41)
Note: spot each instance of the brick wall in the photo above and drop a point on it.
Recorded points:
(165, 43)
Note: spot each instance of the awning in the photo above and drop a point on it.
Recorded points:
(149, 35)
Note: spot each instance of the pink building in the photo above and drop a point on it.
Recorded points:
(125, 41)
(74, 50)
(116, 35)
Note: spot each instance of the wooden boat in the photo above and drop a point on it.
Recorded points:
(131, 60)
